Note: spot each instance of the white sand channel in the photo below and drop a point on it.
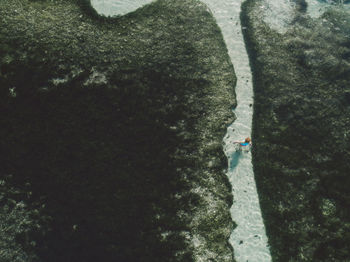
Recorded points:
(249, 238)
(117, 7)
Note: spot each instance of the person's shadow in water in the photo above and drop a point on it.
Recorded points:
(235, 159)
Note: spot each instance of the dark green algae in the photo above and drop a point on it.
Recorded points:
(110, 125)
(301, 133)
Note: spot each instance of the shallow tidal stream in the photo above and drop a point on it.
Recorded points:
(249, 239)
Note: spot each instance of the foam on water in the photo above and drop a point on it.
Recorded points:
(118, 7)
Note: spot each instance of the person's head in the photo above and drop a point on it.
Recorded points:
(247, 140)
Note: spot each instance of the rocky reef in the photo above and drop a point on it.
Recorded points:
(301, 132)
(111, 133)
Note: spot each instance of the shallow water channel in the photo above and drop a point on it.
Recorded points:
(249, 238)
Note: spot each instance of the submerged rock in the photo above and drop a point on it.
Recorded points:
(113, 123)
(301, 150)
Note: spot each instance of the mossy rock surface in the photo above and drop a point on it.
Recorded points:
(113, 125)
(301, 133)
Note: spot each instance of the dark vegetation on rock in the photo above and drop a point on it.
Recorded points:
(301, 133)
(114, 128)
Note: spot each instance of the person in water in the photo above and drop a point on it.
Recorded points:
(245, 144)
